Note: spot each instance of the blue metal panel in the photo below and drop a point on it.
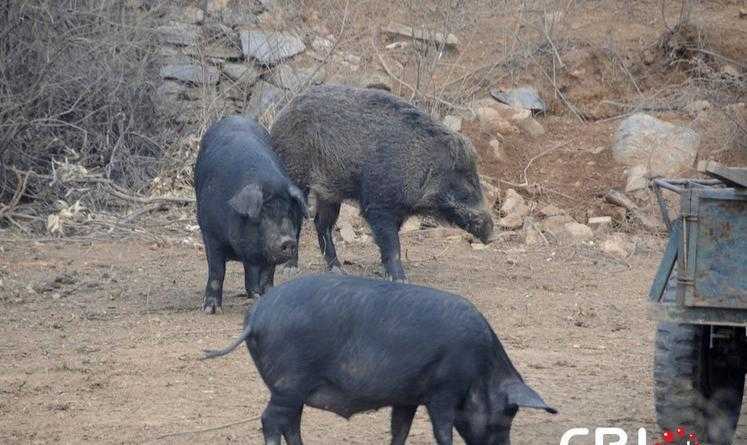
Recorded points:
(713, 270)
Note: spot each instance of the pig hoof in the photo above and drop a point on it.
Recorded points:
(210, 307)
(254, 295)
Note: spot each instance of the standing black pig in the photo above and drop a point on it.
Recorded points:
(348, 344)
(367, 145)
(247, 207)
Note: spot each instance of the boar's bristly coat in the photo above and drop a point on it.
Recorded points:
(344, 143)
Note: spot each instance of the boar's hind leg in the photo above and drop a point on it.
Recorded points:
(282, 420)
(216, 259)
(401, 422)
(385, 228)
(325, 219)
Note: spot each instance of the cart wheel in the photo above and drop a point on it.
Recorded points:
(694, 385)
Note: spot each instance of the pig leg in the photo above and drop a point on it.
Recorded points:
(401, 421)
(442, 414)
(282, 420)
(385, 228)
(252, 280)
(216, 259)
(266, 278)
(325, 219)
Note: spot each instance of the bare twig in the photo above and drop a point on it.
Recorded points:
(206, 430)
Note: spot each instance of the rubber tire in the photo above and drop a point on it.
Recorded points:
(689, 391)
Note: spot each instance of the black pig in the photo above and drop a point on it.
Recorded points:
(370, 146)
(247, 207)
(348, 344)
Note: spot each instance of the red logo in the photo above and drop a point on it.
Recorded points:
(679, 436)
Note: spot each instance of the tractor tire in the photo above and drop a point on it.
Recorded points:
(690, 390)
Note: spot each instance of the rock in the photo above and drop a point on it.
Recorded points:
(637, 178)
(497, 150)
(490, 192)
(513, 204)
(181, 34)
(351, 214)
(525, 98)
(171, 89)
(242, 73)
(198, 74)
(296, 79)
(347, 233)
(214, 50)
(696, 107)
(265, 97)
(531, 127)
(730, 71)
(412, 224)
(321, 45)
(663, 147)
(578, 231)
(238, 16)
(617, 245)
(453, 123)
(742, 13)
(532, 234)
(172, 56)
(268, 48)
(491, 120)
(513, 209)
(511, 222)
(449, 40)
(555, 224)
(550, 210)
(599, 223)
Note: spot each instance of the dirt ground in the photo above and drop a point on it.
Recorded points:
(100, 339)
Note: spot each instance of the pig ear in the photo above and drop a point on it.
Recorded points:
(297, 196)
(519, 394)
(248, 201)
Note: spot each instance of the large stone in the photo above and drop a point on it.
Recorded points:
(663, 148)
(617, 245)
(491, 120)
(490, 192)
(265, 97)
(637, 178)
(513, 204)
(531, 127)
(578, 231)
(599, 223)
(296, 79)
(242, 73)
(448, 40)
(523, 97)
(412, 224)
(269, 48)
(511, 221)
(215, 50)
(182, 34)
(199, 74)
(555, 224)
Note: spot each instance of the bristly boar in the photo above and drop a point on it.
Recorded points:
(349, 344)
(247, 208)
(367, 145)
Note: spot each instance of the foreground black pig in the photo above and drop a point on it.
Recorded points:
(370, 146)
(247, 207)
(348, 344)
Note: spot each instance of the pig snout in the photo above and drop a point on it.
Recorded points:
(482, 227)
(284, 249)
